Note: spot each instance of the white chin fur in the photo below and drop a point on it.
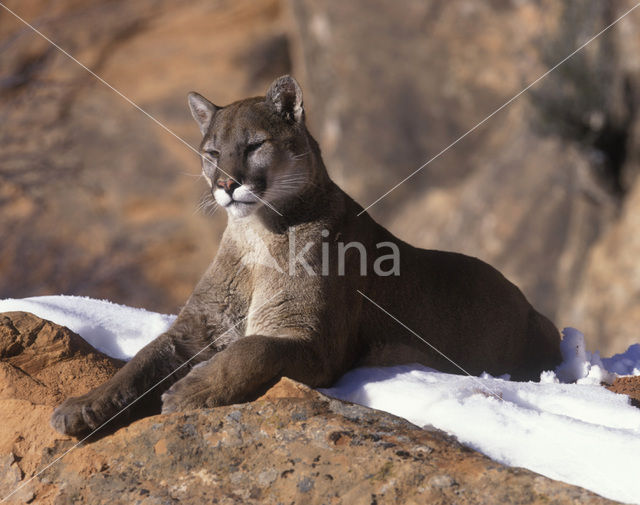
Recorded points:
(221, 197)
(239, 209)
(243, 203)
(244, 194)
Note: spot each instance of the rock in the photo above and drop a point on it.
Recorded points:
(606, 303)
(629, 386)
(11, 472)
(117, 215)
(41, 364)
(292, 445)
(312, 450)
(41, 361)
(386, 89)
(286, 388)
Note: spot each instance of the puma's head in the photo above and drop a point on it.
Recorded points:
(256, 152)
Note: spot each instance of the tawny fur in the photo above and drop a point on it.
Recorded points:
(261, 322)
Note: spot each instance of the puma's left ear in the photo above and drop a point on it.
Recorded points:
(286, 96)
(202, 110)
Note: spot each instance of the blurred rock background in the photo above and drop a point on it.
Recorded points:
(97, 200)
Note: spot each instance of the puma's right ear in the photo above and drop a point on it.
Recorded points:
(286, 96)
(202, 110)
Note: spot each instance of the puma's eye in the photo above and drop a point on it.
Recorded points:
(254, 146)
(213, 154)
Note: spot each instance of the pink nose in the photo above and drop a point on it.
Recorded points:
(227, 184)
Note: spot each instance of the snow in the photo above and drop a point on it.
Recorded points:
(577, 432)
(627, 363)
(579, 365)
(116, 330)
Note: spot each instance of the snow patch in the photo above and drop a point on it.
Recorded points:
(626, 363)
(116, 330)
(578, 364)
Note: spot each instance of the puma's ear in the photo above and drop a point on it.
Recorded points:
(286, 96)
(202, 110)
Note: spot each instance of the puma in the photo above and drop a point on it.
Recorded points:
(268, 308)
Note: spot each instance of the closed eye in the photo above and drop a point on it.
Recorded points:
(254, 146)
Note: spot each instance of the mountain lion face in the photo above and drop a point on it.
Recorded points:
(254, 150)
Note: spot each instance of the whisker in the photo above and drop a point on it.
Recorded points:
(288, 181)
(211, 209)
(197, 176)
(296, 181)
(206, 204)
(288, 185)
(298, 156)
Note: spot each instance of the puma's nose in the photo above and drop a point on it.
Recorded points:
(227, 184)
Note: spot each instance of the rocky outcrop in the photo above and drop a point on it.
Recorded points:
(41, 364)
(294, 445)
(608, 301)
(545, 189)
(629, 386)
(95, 198)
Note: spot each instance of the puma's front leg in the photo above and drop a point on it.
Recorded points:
(153, 363)
(245, 369)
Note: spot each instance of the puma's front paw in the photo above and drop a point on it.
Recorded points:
(80, 415)
(189, 393)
